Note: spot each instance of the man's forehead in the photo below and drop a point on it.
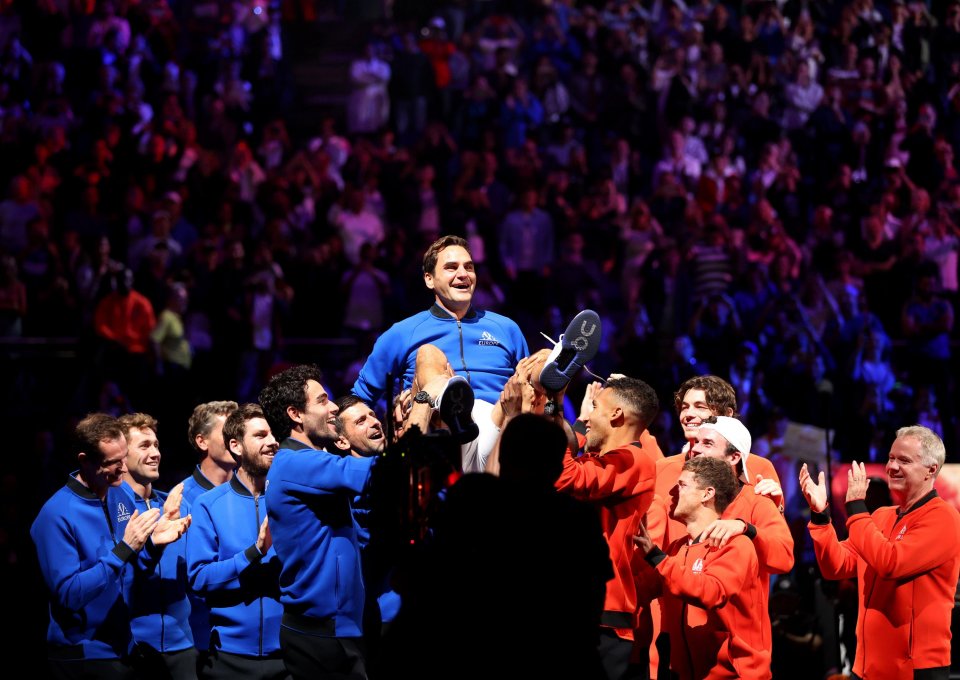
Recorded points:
(906, 446)
(694, 395)
(454, 254)
(707, 433)
(356, 412)
(314, 388)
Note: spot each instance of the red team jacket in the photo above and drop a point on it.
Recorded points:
(620, 484)
(713, 602)
(907, 568)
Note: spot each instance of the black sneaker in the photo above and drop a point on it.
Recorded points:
(578, 345)
(455, 405)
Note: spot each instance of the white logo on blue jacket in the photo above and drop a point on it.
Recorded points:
(122, 513)
(487, 339)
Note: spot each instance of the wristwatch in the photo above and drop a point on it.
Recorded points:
(423, 397)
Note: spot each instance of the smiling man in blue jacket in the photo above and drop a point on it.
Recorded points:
(83, 561)
(314, 531)
(482, 346)
(231, 560)
(156, 595)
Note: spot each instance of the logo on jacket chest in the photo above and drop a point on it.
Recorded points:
(697, 567)
(488, 340)
(902, 531)
(122, 513)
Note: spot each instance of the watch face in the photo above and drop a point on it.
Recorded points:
(422, 397)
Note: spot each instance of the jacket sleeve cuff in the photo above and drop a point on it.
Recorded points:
(820, 518)
(253, 554)
(580, 427)
(655, 557)
(857, 507)
(153, 550)
(124, 552)
(750, 531)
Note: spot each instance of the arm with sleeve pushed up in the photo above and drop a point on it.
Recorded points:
(71, 587)
(837, 560)
(614, 473)
(724, 572)
(928, 542)
(773, 540)
(206, 570)
(385, 358)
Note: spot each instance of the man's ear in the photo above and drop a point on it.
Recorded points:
(428, 280)
(735, 459)
(82, 458)
(235, 448)
(201, 442)
(709, 493)
(294, 414)
(342, 444)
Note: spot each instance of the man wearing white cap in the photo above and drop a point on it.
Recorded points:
(749, 513)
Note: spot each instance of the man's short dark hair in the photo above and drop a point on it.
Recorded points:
(637, 396)
(716, 473)
(349, 401)
(433, 252)
(204, 417)
(236, 423)
(93, 429)
(285, 389)
(720, 396)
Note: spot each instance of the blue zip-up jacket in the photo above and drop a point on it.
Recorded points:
(193, 487)
(315, 536)
(239, 584)
(157, 597)
(84, 567)
(484, 347)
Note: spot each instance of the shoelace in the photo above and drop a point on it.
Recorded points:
(585, 367)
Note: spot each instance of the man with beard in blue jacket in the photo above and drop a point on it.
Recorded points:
(231, 560)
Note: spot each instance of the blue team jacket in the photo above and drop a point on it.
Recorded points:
(239, 584)
(484, 348)
(157, 594)
(193, 486)
(315, 536)
(84, 568)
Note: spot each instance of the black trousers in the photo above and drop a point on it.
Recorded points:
(220, 665)
(90, 669)
(308, 657)
(149, 664)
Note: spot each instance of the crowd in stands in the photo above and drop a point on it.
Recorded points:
(762, 190)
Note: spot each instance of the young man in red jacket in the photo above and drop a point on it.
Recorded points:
(616, 475)
(906, 559)
(712, 597)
